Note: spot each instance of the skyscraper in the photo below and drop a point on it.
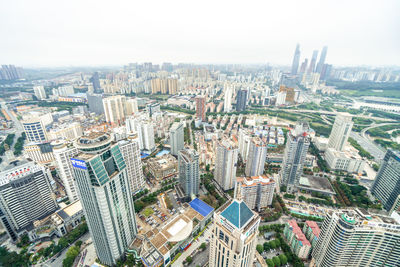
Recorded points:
(294, 156)
(130, 150)
(189, 176)
(303, 66)
(256, 157)
(322, 59)
(63, 152)
(355, 238)
(257, 191)
(228, 99)
(25, 196)
(200, 108)
(340, 132)
(176, 138)
(241, 100)
(102, 178)
(95, 103)
(226, 156)
(95, 81)
(115, 108)
(386, 187)
(234, 235)
(313, 61)
(34, 129)
(39, 91)
(296, 60)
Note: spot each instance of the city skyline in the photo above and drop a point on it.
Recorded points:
(260, 35)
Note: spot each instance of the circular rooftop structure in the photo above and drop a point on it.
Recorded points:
(94, 142)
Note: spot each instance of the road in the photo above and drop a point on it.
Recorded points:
(59, 260)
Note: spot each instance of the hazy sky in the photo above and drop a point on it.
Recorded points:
(85, 32)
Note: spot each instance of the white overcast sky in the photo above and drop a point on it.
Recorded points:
(86, 32)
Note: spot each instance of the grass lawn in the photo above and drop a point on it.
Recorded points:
(148, 211)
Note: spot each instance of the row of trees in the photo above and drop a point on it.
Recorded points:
(19, 145)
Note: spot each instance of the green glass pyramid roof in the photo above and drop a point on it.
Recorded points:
(237, 213)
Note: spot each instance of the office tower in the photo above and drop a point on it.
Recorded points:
(326, 72)
(296, 60)
(241, 100)
(303, 66)
(96, 81)
(386, 187)
(102, 179)
(131, 106)
(25, 196)
(39, 91)
(257, 191)
(297, 144)
(322, 59)
(200, 108)
(189, 176)
(234, 235)
(226, 156)
(41, 152)
(355, 238)
(115, 108)
(256, 157)
(63, 152)
(228, 99)
(313, 61)
(131, 152)
(95, 103)
(10, 72)
(176, 138)
(153, 108)
(34, 129)
(341, 130)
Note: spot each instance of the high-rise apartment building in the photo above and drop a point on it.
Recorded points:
(234, 235)
(355, 238)
(200, 108)
(95, 103)
(25, 196)
(115, 108)
(96, 81)
(296, 60)
(241, 100)
(244, 143)
(39, 91)
(256, 157)
(176, 138)
(257, 191)
(313, 61)
(226, 156)
(322, 59)
(131, 106)
(386, 187)
(294, 156)
(340, 132)
(228, 99)
(101, 175)
(63, 152)
(131, 152)
(145, 132)
(34, 129)
(189, 175)
(10, 72)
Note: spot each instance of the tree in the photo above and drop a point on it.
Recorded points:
(78, 243)
(276, 261)
(260, 248)
(189, 260)
(267, 246)
(203, 246)
(277, 243)
(283, 259)
(269, 262)
(272, 244)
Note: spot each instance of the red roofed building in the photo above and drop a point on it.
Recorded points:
(297, 240)
(311, 230)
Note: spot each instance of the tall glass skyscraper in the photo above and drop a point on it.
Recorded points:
(101, 176)
(296, 60)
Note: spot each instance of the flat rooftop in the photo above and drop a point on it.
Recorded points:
(316, 183)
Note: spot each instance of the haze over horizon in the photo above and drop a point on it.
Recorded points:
(89, 33)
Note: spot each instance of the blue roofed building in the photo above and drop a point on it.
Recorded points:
(234, 235)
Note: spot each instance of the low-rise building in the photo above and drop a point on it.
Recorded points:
(297, 240)
(347, 160)
(163, 167)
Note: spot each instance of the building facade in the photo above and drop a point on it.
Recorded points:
(257, 191)
(297, 240)
(226, 156)
(386, 187)
(34, 129)
(200, 108)
(115, 108)
(176, 138)
(189, 173)
(340, 132)
(256, 157)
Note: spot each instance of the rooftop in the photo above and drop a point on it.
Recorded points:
(201, 207)
(237, 213)
(316, 183)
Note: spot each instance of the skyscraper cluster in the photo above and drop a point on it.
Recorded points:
(10, 72)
